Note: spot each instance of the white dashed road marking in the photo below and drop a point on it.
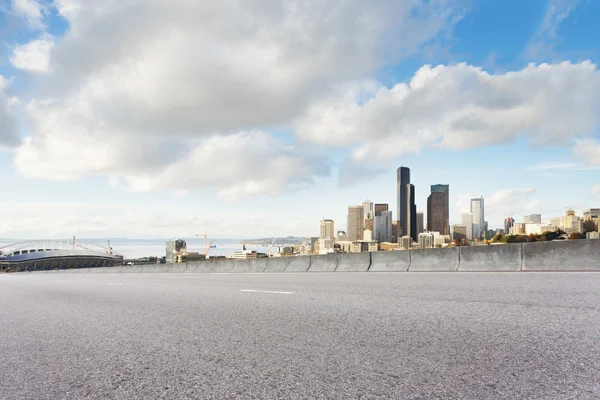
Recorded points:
(265, 291)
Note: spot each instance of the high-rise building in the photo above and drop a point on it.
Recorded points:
(420, 222)
(407, 210)
(356, 222)
(368, 209)
(382, 227)
(533, 219)
(327, 229)
(592, 212)
(395, 232)
(478, 211)
(467, 220)
(438, 209)
(508, 223)
(379, 208)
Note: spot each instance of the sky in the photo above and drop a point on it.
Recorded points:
(257, 118)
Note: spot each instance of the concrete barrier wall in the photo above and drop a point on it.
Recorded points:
(576, 255)
(240, 266)
(356, 262)
(298, 264)
(572, 255)
(324, 263)
(491, 258)
(434, 260)
(258, 265)
(178, 268)
(225, 265)
(276, 264)
(390, 261)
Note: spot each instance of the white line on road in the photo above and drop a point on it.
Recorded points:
(115, 283)
(265, 291)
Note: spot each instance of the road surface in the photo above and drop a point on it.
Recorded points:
(300, 336)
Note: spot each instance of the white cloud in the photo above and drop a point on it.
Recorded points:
(546, 36)
(32, 10)
(458, 107)
(237, 165)
(137, 104)
(589, 150)
(75, 144)
(9, 136)
(509, 197)
(33, 56)
(596, 189)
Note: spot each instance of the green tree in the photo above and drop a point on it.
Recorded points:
(497, 238)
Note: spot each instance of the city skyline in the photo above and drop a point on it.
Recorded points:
(177, 143)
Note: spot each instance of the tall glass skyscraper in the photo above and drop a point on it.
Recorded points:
(407, 209)
(477, 209)
(438, 209)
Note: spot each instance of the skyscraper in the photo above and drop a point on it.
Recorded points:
(477, 209)
(438, 209)
(327, 229)
(379, 208)
(356, 222)
(407, 210)
(368, 209)
(382, 227)
(467, 221)
(420, 222)
(508, 223)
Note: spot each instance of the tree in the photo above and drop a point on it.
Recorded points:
(497, 237)
(575, 236)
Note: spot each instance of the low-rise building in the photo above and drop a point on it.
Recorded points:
(592, 235)
(245, 255)
(362, 246)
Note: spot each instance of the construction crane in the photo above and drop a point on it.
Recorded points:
(205, 249)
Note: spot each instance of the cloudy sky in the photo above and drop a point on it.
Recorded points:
(245, 118)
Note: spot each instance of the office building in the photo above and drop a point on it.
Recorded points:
(592, 235)
(395, 234)
(405, 242)
(368, 209)
(459, 233)
(382, 227)
(438, 209)
(407, 210)
(508, 223)
(571, 223)
(533, 219)
(420, 222)
(467, 221)
(426, 240)
(592, 212)
(356, 222)
(518, 228)
(379, 208)
(478, 211)
(537, 229)
(327, 229)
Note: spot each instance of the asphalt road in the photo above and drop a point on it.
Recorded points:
(310, 335)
